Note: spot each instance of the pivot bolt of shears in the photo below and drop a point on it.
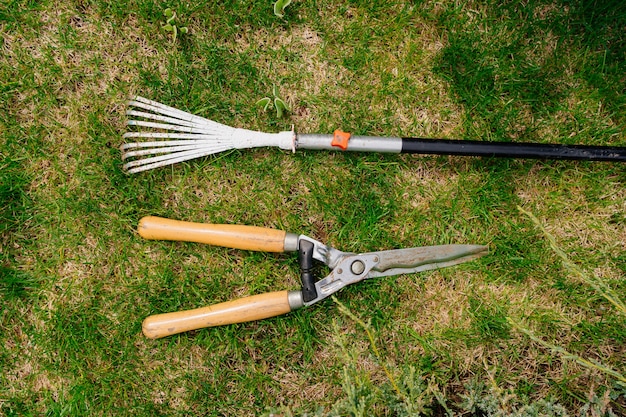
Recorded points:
(357, 267)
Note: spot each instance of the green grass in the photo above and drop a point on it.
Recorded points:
(509, 334)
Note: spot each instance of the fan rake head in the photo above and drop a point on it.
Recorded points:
(177, 136)
(174, 136)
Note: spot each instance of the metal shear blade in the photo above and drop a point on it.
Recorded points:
(411, 260)
(355, 268)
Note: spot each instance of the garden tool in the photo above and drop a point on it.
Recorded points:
(345, 269)
(176, 136)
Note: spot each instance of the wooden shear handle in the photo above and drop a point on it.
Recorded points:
(245, 309)
(228, 235)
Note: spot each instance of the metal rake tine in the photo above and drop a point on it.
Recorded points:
(188, 154)
(156, 162)
(145, 166)
(200, 137)
(157, 107)
(168, 143)
(160, 118)
(170, 149)
(177, 115)
(160, 108)
(164, 126)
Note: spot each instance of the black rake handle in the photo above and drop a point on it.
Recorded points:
(513, 150)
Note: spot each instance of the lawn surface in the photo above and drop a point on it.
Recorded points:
(516, 332)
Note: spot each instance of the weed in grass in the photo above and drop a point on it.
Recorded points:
(172, 27)
(405, 393)
(590, 364)
(496, 402)
(598, 284)
(278, 103)
(280, 6)
(408, 392)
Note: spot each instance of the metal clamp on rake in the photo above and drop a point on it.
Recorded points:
(179, 136)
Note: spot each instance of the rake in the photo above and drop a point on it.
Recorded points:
(176, 136)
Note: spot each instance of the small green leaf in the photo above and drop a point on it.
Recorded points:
(279, 7)
(168, 27)
(281, 107)
(265, 102)
(168, 12)
(183, 29)
(278, 102)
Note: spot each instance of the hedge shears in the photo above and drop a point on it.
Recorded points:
(345, 268)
